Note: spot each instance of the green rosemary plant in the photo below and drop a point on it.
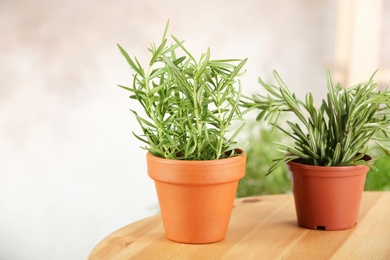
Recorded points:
(336, 133)
(189, 105)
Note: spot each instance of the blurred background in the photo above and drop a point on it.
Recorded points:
(70, 170)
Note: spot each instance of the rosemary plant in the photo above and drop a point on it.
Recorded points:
(336, 133)
(189, 104)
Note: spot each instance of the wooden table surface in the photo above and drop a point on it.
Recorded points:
(262, 227)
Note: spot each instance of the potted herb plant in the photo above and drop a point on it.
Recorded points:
(327, 160)
(188, 109)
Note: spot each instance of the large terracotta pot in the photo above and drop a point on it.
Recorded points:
(196, 197)
(327, 198)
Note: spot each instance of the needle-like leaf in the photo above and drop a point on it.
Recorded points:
(336, 133)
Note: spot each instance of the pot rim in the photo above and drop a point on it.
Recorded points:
(240, 153)
(366, 158)
(196, 172)
(328, 171)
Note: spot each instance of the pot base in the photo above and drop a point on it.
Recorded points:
(327, 228)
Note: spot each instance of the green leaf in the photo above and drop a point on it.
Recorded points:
(384, 148)
(337, 154)
(261, 115)
(138, 70)
(281, 161)
(155, 89)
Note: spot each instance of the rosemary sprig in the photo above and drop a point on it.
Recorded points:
(334, 134)
(189, 104)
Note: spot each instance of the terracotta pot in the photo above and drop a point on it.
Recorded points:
(196, 197)
(327, 198)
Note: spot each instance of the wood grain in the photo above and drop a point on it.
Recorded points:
(261, 227)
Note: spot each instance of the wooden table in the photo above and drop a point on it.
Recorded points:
(261, 227)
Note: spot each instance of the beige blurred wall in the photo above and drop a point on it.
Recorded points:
(70, 170)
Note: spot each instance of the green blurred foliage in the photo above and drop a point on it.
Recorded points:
(260, 153)
(378, 180)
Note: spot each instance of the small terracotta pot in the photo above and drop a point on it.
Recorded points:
(196, 197)
(327, 198)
